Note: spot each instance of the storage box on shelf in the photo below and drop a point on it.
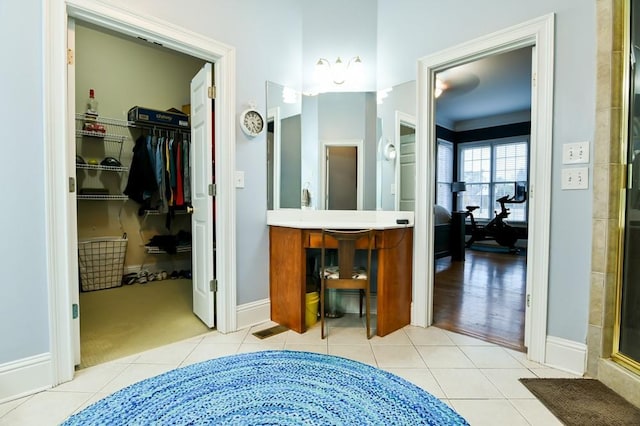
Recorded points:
(153, 117)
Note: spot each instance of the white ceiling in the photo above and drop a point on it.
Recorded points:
(495, 85)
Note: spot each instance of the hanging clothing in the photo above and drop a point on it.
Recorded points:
(159, 178)
(179, 176)
(141, 183)
(186, 171)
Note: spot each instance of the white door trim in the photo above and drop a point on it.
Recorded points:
(540, 34)
(58, 168)
(322, 156)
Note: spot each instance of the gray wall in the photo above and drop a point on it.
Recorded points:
(24, 310)
(275, 48)
(290, 169)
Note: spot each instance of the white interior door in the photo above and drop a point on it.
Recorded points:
(326, 159)
(72, 217)
(202, 226)
(407, 173)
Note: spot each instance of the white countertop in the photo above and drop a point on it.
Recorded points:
(338, 219)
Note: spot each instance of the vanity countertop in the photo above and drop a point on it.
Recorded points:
(338, 219)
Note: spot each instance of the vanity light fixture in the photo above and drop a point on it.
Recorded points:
(390, 152)
(338, 72)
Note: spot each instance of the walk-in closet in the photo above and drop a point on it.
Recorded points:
(133, 193)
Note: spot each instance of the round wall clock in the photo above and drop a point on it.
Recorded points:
(251, 122)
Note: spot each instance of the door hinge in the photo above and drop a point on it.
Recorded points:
(72, 184)
(534, 79)
(74, 311)
(212, 92)
(69, 56)
(213, 285)
(528, 300)
(213, 189)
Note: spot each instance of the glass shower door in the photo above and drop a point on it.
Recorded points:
(629, 331)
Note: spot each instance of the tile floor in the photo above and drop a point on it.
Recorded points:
(478, 379)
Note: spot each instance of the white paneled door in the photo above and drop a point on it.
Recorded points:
(202, 225)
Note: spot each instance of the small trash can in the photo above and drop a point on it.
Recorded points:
(333, 303)
(312, 300)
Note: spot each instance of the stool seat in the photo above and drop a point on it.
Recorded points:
(333, 273)
(346, 275)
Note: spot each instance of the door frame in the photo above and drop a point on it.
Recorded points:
(358, 144)
(59, 169)
(538, 33)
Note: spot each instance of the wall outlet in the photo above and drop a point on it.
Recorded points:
(575, 178)
(575, 153)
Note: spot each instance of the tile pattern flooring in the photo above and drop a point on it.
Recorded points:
(478, 379)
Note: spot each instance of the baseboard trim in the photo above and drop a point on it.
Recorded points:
(25, 377)
(253, 313)
(566, 355)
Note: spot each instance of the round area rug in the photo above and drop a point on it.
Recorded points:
(271, 387)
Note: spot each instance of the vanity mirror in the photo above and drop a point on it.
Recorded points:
(284, 144)
(328, 151)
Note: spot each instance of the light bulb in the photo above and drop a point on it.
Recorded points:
(339, 72)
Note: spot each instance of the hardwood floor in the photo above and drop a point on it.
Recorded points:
(483, 297)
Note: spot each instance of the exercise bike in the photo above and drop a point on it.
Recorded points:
(497, 229)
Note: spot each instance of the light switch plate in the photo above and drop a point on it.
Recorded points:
(575, 153)
(575, 178)
(239, 179)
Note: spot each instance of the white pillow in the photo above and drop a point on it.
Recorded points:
(441, 215)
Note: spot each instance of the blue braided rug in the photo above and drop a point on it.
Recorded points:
(271, 387)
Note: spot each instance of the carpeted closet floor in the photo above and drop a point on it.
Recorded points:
(134, 318)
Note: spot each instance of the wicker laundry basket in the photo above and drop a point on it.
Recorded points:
(101, 262)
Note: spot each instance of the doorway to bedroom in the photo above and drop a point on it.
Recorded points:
(483, 127)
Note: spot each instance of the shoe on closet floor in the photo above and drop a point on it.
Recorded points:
(130, 278)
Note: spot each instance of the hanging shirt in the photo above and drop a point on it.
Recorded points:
(167, 172)
(179, 189)
(186, 167)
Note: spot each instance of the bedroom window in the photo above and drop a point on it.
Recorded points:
(444, 174)
(490, 169)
